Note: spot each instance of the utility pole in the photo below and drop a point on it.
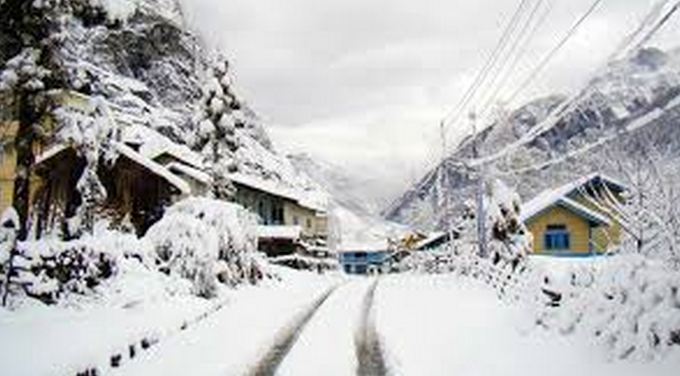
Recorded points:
(445, 188)
(481, 212)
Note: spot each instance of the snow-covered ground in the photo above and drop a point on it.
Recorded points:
(234, 339)
(70, 340)
(425, 325)
(443, 325)
(327, 344)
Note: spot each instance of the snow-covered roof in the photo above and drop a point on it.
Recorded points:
(275, 188)
(267, 186)
(131, 154)
(369, 247)
(560, 197)
(279, 232)
(194, 173)
(433, 237)
(50, 153)
(154, 144)
(154, 167)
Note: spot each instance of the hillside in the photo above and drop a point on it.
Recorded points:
(631, 101)
(144, 68)
(356, 217)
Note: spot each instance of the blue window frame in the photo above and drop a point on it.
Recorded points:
(557, 238)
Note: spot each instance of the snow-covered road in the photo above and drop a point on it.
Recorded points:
(391, 325)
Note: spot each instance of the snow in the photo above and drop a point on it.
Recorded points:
(534, 208)
(431, 238)
(196, 174)
(366, 246)
(154, 144)
(330, 335)
(50, 153)
(69, 339)
(267, 186)
(231, 341)
(154, 167)
(279, 232)
(452, 326)
(553, 196)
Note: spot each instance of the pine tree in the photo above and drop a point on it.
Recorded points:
(217, 128)
(30, 69)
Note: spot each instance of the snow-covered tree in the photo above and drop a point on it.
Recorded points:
(509, 240)
(92, 135)
(217, 127)
(32, 66)
(23, 82)
(648, 210)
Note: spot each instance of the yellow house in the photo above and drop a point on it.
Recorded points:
(8, 132)
(575, 219)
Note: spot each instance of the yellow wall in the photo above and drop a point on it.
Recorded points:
(305, 218)
(603, 236)
(321, 225)
(7, 164)
(578, 228)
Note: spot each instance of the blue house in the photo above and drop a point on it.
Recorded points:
(364, 259)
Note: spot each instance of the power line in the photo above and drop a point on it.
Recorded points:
(525, 41)
(650, 17)
(555, 50)
(657, 27)
(491, 61)
(553, 118)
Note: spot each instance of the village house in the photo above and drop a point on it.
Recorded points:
(365, 258)
(288, 224)
(8, 133)
(138, 188)
(575, 219)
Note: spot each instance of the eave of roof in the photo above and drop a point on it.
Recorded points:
(574, 207)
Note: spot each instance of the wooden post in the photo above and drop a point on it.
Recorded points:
(12, 229)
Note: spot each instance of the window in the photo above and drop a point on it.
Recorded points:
(296, 220)
(557, 238)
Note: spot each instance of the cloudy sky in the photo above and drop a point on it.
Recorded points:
(364, 83)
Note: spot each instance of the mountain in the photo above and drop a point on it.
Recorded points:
(356, 217)
(347, 189)
(632, 101)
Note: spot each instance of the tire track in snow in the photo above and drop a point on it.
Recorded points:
(286, 338)
(368, 348)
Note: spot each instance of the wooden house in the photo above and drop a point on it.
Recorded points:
(9, 128)
(137, 188)
(574, 219)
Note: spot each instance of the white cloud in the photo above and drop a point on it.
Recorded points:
(363, 83)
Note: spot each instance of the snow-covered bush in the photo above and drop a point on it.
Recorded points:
(207, 241)
(628, 303)
(188, 247)
(510, 241)
(51, 269)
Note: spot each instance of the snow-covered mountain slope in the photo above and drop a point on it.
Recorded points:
(347, 189)
(631, 100)
(355, 216)
(144, 64)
